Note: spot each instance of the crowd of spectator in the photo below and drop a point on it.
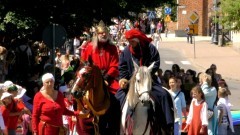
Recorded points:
(213, 94)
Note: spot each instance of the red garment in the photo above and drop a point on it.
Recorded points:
(50, 112)
(68, 105)
(85, 126)
(106, 58)
(196, 123)
(139, 50)
(83, 47)
(135, 33)
(12, 121)
(47, 129)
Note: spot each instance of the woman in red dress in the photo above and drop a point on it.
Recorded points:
(197, 120)
(48, 108)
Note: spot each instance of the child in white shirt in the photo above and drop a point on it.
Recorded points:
(225, 117)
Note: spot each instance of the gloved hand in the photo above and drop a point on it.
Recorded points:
(123, 83)
(106, 79)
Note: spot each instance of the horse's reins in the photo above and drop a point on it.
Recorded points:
(84, 89)
(139, 95)
(95, 120)
(148, 118)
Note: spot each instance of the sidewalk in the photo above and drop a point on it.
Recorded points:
(226, 58)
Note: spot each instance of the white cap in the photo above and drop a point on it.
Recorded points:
(21, 92)
(47, 76)
(5, 94)
(6, 84)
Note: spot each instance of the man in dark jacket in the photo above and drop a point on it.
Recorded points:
(144, 53)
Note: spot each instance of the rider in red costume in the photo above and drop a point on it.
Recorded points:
(105, 55)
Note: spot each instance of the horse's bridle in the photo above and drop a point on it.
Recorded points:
(139, 95)
(82, 85)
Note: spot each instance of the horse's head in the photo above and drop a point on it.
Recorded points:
(140, 84)
(143, 84)
(83, 80)
(89, 90)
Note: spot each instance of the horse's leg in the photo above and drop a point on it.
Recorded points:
(95, 125)
(123, 117)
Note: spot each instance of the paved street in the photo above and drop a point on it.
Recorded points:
(203, 54)
(226, 58)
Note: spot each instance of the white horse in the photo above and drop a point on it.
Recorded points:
(139, 103)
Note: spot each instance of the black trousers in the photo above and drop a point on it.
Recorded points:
(189, 38)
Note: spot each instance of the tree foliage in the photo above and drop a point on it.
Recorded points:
(230, 14)
(17, 24)
(30, 17)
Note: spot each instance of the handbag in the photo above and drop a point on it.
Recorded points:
(209, 113)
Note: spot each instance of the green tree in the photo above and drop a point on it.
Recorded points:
(230, 14)
(17, 25)
(30, 17)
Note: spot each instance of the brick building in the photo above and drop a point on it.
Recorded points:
(202, 8)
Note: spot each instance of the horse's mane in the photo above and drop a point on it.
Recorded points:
(132, 96)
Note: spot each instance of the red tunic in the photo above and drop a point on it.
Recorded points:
(45, 110)
(107, 60)
(196, 123)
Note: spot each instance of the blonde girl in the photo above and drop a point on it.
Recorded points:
(197, 120)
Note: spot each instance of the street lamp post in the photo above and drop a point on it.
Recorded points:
(216, 18)
(216, 31)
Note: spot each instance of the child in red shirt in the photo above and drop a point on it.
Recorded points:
(11, 111)
(69, 121)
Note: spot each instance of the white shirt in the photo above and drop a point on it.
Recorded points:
(76, 42)
(223, 104)
(58, 62)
